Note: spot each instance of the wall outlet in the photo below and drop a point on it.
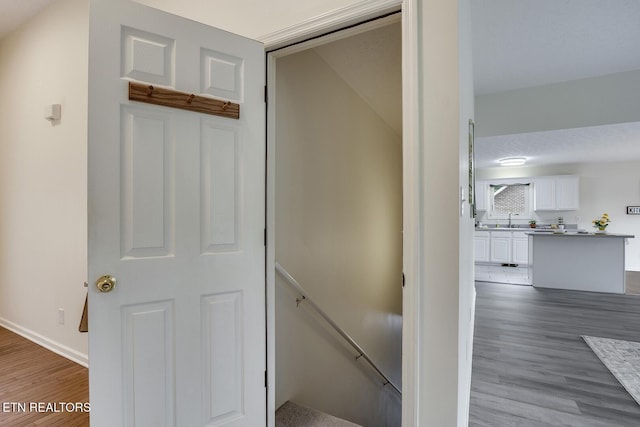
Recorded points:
(61, 316)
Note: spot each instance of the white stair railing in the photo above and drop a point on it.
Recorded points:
(304, 297)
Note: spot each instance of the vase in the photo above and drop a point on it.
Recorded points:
(601, 230)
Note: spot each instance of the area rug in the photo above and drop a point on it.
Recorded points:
(622, 358)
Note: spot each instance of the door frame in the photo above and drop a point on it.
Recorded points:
(338, 20)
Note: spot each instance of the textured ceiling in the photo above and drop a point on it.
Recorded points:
(371, 63)
(608, 143)
(526, 43)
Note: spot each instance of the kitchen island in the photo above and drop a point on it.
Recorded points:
(578, 261)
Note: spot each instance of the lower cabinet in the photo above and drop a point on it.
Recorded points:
(481, 245)
(501, 247)
(502, 256)
(519, 248)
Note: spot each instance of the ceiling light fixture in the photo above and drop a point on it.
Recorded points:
(512, 161)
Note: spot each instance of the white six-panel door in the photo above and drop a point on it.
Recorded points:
(176, 215)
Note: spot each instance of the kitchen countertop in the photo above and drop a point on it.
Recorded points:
(523, 229)
(504, 229)
(576, 234)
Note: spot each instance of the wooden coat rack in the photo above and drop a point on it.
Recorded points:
(186, 101)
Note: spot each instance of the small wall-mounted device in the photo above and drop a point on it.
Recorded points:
(52, 112)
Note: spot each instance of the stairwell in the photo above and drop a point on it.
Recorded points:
(293, 415)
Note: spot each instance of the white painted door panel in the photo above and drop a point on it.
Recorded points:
(520, 246)
(176, 214)
(481, 195)
(567, 192)
(501, 247)
(481, 246)
(544, 192)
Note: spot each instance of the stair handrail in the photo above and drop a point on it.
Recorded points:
(305, 297)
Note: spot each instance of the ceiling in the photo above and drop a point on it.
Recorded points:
(15, 12)
(528, 43)
(609, 143)
(516, 44)
(371, 64)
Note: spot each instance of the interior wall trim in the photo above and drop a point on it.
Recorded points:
(412, 214)
(412, 174)
(49, 344)
(329, 21)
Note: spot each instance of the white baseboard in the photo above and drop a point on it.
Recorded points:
(62, 350)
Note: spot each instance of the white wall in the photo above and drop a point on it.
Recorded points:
(43, 177)
(604, 187)
(339, 233)
(587, 102)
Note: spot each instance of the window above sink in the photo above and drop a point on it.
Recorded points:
(510, 200)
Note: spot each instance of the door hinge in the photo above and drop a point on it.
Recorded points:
(266, 379)
(265, 237)
(266, 94)
(403, 280)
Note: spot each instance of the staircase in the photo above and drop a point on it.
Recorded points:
(293, 415)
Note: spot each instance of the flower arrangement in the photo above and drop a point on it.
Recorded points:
(602, 222)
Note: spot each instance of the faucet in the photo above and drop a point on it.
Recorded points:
(510, 213)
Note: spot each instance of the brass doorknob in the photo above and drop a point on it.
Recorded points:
(106, 283)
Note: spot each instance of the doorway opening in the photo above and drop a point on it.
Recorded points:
(335, 149)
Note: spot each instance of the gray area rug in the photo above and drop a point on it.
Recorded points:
(622, 358)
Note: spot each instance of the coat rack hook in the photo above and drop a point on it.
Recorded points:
(190, 98)
(226, 105)
(149, 90)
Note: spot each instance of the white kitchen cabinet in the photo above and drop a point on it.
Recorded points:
(494, 249)
(520, 248)
(501, 247)
(481, 246)
(556, 193)
(481, 195)
(544, 194)
(567, 193)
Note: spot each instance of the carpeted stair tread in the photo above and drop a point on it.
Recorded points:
(293, 415)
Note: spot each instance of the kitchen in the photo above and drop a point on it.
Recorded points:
(522, 238)
(575, 131)
(556, 87)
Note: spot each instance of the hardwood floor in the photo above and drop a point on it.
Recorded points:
(532, 368)
(31, 377)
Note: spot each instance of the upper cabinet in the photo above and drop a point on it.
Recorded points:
(544, 194)
(481, 195)
(556, 193)
(567, 193)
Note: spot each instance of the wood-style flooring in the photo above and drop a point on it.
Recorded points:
(532, 368)
(32, 377)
